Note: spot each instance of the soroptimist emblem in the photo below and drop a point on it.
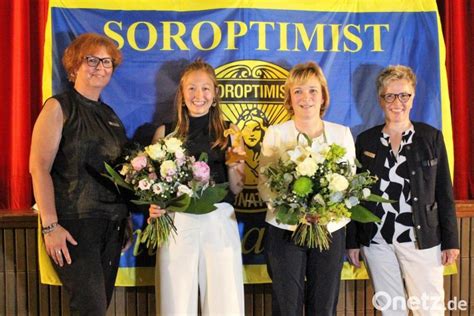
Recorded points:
(252, 93)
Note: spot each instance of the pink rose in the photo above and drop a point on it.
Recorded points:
(138, 163)
(201, 171)
(152, 176)
(180, 161)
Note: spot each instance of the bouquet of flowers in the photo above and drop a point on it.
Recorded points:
(313, 186)
(164, 175)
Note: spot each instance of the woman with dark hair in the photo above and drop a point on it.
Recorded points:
(206, 253)
(82, 217)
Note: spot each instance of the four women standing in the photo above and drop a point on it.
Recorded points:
(84, 219)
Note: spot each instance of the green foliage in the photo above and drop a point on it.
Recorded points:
(116, 178)
(205, 203)
(363, 215)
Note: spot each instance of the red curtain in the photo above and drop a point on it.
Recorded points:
(21, 51)
(457, 18)
(470, 84)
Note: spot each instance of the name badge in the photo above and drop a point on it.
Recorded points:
(369, 154)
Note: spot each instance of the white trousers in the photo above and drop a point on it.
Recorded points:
(205, 254)
(422, 271)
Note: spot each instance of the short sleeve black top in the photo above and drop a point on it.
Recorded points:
(92, 134)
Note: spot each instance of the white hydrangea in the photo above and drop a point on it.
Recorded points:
(351, 202)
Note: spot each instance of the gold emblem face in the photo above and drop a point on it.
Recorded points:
(252, 93)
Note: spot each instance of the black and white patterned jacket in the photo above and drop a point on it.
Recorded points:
(433, 208)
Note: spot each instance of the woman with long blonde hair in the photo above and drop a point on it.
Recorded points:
(206, 253)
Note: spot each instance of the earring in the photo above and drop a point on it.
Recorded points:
(214, 103)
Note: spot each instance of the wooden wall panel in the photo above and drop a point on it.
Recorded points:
(471, 273)
(22, 294)
(20, 272)
(9, 248)
(2, 276)
(119, 300)
(31, 270)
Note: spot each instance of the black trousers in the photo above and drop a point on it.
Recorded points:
(288, 265)
(90, 278)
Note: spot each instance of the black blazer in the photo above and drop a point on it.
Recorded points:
(434, 215)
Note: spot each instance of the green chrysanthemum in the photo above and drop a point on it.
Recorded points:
(303, 186)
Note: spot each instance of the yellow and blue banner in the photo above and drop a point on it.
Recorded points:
(253, 45)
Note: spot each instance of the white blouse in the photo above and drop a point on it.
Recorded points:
(282, 137)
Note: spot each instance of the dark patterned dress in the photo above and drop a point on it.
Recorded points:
(397, 218)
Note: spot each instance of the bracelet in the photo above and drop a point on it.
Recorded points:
(48, 229)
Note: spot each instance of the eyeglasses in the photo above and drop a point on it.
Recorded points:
(390, 97)
(93, 61)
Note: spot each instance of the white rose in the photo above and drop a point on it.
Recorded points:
(307, 167)
(173, 144)
(365, 192)
(168, 168)
(155, 151)
(337, 182)
(183, 189)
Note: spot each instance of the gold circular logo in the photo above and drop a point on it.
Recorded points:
(251, 93)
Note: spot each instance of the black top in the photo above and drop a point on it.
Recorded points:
(92, 134)
(199, 140)
(432, 201)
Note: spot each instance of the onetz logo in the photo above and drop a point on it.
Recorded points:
(383, 301)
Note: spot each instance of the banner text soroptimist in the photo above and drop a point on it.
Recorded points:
(292, 37)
